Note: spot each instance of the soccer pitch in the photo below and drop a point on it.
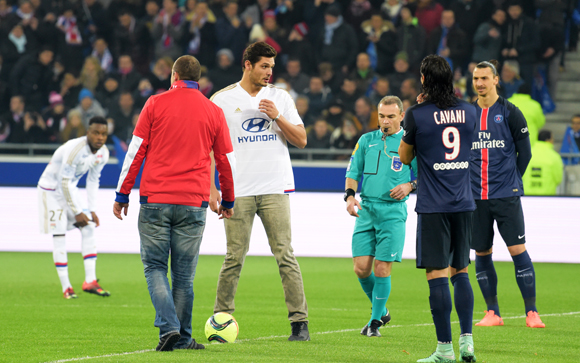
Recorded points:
(38, 325)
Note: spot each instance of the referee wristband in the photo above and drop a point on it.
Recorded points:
(349, 193)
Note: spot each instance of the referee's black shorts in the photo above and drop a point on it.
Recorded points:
(443, 240)
(510, 222)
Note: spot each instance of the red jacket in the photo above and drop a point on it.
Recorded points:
(175, 134)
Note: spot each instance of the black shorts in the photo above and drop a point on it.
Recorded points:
(510, 222)
(443, 240)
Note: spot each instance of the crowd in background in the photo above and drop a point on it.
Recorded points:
(64, 62)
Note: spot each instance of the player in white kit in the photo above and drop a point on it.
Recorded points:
(261, 119)
(61, 208)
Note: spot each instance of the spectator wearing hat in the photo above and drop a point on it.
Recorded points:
(411, 38)
(298, 80)
(274, 31)
(89, 107)
(379, 40)
(401, 73)
(298, 47)
(226, 72)
(231, 32)
(337, 43)
(545, 170)
(55, 117)
(31, 77)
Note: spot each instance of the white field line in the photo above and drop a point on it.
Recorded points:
(284, 336)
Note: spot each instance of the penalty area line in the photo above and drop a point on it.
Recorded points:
(284, 336)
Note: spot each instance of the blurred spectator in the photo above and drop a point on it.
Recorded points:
(349, 94)
(411, 38)
(303, 108)
(5, 10)
(11, 119)
(31, 129)
(168, 30)
(298, 47)
(255, 11)
(521, 41)
(91, 74)
(226, 72)
(552, 39)
(54, 117)
(363, 74)
(487, 40)
(94, 20)
(200, 37)
(74, 126)
(338, 43)
(23, 15)
(282, 83)
(429, 15)
(144, 90)
(89, 107)
(331, 79)
(335, 115)
(469, 14)
(449, 41)
(231, 32)
(103, 54)
(401, 73)
(31, 78)
(160, 77)
(345, 137)
(318, 95)
(121, 114)
(510, 80)
(17, 45)
(366, 113)
(357, 12)
(108, 92)
(379, 40)
(410, 90)
(391, 10)
(151, 11)
(71, 41)
(277, 34)
(380, 89)
(571, 141)
(126, 75)
(205, 85)
(531, 109)
(319, 138)
(69, 90)
(545, 170)
(133, 39)
(298, 80)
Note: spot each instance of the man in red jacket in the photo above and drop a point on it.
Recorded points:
(176, 132)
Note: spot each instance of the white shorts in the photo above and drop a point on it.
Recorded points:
(55, 217)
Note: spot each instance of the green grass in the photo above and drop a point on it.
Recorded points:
(38, 325)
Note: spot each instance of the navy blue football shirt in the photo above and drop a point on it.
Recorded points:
(494, 172)
(442, 140)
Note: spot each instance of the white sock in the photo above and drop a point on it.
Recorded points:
(89, 251)
(60, 261)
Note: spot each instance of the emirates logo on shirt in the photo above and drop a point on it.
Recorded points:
(256, 125)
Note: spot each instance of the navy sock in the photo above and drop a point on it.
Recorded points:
(526, 278)
(440, 301)
(487, 280)
(463, 295)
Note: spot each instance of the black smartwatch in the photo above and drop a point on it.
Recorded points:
(349, 193)
(413, 185)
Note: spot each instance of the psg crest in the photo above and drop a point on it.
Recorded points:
(396, 164)
(498, 119)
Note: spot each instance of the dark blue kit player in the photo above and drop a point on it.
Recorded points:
(440, 131)
(499, 157)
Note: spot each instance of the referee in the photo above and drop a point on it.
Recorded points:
(379, 232)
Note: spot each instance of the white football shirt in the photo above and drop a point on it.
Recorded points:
(262, 157)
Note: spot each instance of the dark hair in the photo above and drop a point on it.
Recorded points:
(438, 82)
(575, 116)
(188, 68)
(491, 64)
(525, 89)
(97, 120)
(254, 52)
(544, 135)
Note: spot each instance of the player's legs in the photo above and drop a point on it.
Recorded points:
(89, 251)
(363, 249)
(274, 210)
(238, 231)
(59, 256)
(155, 234)
(186, 235)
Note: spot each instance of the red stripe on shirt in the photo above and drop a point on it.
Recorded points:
(484, 159)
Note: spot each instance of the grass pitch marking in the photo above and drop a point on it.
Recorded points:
(284, 336)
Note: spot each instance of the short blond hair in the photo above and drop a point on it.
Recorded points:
(391, 100)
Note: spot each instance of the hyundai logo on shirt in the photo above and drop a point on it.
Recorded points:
(255, 125)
